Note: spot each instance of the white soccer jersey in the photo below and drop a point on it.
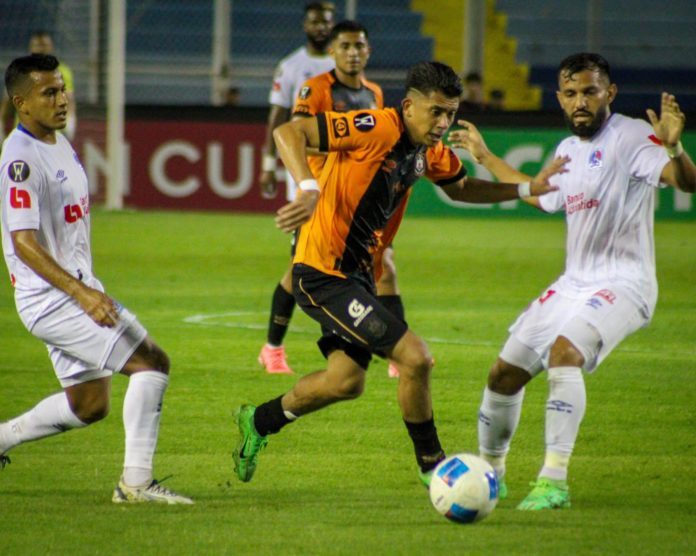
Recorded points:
(44, 188)
(292, 72)
(608, 195)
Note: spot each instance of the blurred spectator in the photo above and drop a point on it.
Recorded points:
(232, 97)
(41, 42)
(496, 102)
(472, 98)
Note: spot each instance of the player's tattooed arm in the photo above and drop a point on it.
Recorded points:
(100, 307)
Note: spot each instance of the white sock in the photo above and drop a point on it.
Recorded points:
(565, 409)
(499, 416)
(142, 408)
(50, 416)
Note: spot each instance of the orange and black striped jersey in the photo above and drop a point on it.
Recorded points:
(365, 185)
(325, 93)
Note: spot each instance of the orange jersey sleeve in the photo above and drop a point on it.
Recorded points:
(443, 165)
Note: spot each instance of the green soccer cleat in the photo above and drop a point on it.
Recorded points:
(246, 453)
(425, 477)
(502, 488)
(547, 494)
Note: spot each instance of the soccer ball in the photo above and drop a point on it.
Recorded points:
(464, 488)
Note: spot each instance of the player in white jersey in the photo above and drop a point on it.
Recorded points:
(608, 289)
(46, 244)
(292, 71)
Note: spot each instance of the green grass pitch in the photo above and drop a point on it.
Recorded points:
(343, 481)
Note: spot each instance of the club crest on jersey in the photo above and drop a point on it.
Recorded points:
(340, 126)
(596, 159)
(364, 121)
(419, 165)
(305, 93)
(18, 171)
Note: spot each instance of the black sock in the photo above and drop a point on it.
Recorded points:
(269, 417)
(426, 443)
(282, 306)
(393, 304)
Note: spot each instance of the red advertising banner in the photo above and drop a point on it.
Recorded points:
(196, 166)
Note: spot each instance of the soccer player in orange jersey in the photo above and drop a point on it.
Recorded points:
(341, 89)
(347, 217)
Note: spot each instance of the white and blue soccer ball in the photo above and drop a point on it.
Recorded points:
(464, 488)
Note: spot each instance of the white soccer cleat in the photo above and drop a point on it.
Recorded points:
(154, 492)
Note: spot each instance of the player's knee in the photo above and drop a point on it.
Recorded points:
(564, 354)
(417, 363)
(507, 379)
(92, 410)
(349, 387)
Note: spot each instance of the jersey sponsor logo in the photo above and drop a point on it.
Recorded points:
(596, 159)
(340, 126)
(305, 93)
(654, 139)
(74, 212)
(19, 198)
(18, 171)
(364, 121)
(575, 203)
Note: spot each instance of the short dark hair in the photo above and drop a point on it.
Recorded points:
(319, 6)
(582, 61)
(19, 69)
(39, 33)
(427, 77)
(347, 26)
(473, 77)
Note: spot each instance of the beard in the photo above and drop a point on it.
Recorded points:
(586, 129)
(319, 43)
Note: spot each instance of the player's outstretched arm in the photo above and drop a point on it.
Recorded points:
(100, 307)
(474, 190)
(680, 171)
(470, 139)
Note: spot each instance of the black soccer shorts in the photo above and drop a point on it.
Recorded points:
(352, 319)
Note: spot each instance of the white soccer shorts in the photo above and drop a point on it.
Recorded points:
(80, 349)
(595, 322)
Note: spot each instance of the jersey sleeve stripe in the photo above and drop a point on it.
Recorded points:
(462, 172)
(323, 133)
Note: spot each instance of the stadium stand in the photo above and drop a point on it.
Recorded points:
(649, 45)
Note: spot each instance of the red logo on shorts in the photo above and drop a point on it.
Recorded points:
(19, 198)
(546, 296)
(606, 294)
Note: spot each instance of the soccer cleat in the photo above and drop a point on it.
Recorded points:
(547, 494)
(4, 460)
(425, 477)
(502, 488)
(274, 361)
(246, 453)
(392, 371)
(154, 492)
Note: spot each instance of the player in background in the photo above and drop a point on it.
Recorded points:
(348, 217)
(341, 89)
(608, 289)
(46, 244)
(292, 71)
(41, 42)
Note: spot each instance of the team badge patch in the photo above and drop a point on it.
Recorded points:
(419, 165)
(364, 121)
(596, 159)
(305, 93)
(340, 126)
(18, 171)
